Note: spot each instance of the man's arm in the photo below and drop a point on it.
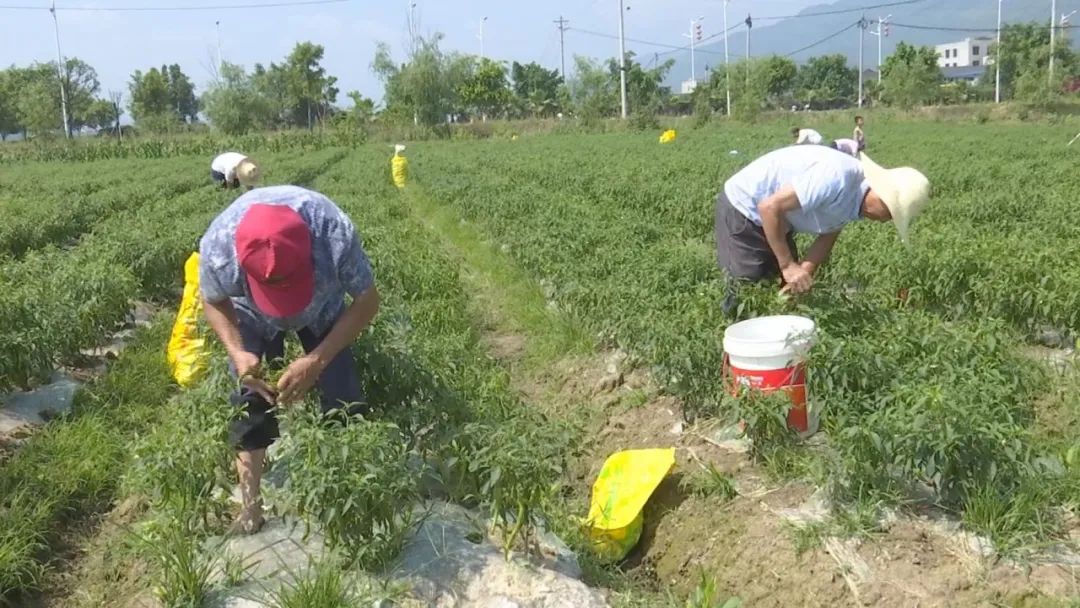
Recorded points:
(775, 225)
(349, 326)
(819, 251)
(302, 374)
(222, 319)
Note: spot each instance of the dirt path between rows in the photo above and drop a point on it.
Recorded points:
(748, 544)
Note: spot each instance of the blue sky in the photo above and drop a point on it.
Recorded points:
(117, 43)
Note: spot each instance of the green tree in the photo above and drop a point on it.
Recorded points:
(310, 91)
(777, 76)
(425, 88)
(181, 93)
(826, 79)
(38, 103)
(645, 92)
(536, 89)
(593, 93)
(1025, 60)
(151, 101)
(486, 91)
(81, 86)
(101, 114)
(235, 105)
(911, 76)
(32, 98)
(11, 82)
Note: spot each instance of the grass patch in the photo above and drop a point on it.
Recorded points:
(507, 295)
(70, 468)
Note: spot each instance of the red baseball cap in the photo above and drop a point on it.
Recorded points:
(273, 245)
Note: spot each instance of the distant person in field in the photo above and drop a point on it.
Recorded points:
(808, 189)
(232, 169)
(847, 146)
(282, 259)
(859, 136)
(806, 136)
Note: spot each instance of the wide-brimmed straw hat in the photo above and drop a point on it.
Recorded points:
(248, 172)
(904, 190)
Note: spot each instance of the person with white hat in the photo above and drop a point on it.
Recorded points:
(232, 169)
(807, 189)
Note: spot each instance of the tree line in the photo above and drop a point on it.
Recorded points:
(432, 86)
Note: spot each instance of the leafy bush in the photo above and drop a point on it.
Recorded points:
(350, 477)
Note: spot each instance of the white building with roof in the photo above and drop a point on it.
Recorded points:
(969, 52)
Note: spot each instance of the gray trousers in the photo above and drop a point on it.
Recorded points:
(741, 247)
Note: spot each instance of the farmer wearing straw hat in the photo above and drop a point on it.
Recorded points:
(283, 259)
(232, 169)
(808, 189)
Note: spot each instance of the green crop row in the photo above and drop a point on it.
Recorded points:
(619, 231)
(57, 213)
(432, 388)
(208, 146)
(54, 302)
(69, 470)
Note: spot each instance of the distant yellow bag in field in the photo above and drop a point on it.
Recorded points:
(399, 166)
(185, 352)
(668, 136)
(619, 495)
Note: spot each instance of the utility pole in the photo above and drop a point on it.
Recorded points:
(862, 36)
(1053, 30)
(997, 59)
(749, 26)
(482, 55)
(562, 23)
(622, 58)
(694, 36)
(220, 61)
(727, 63)
(60, 71)
(881, 33)
(410, 17)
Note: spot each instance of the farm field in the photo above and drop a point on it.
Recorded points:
(551, 300)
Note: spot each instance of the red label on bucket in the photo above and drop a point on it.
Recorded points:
(791, 380)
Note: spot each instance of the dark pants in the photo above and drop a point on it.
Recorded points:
(742, 250)
(339, 386)
(219, 179)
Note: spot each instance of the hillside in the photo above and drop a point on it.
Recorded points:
(790, 35)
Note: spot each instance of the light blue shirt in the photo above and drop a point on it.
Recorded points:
(829, 184)
(341, 265)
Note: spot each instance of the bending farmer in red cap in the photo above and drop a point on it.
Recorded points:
(282, 259)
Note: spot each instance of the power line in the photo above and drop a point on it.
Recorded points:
(935, 28)
(844, 11)
(673, 47)
(825, 39)
(109, 9)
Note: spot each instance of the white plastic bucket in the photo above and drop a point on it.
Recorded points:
(768, 354)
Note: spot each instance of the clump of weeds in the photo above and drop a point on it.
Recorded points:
(709, 482)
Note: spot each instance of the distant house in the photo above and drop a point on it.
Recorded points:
(970, 74)
(969, 52)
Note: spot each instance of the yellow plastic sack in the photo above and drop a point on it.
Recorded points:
(667, 136)
(185, 353)
(399, 167)
(619, 494)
